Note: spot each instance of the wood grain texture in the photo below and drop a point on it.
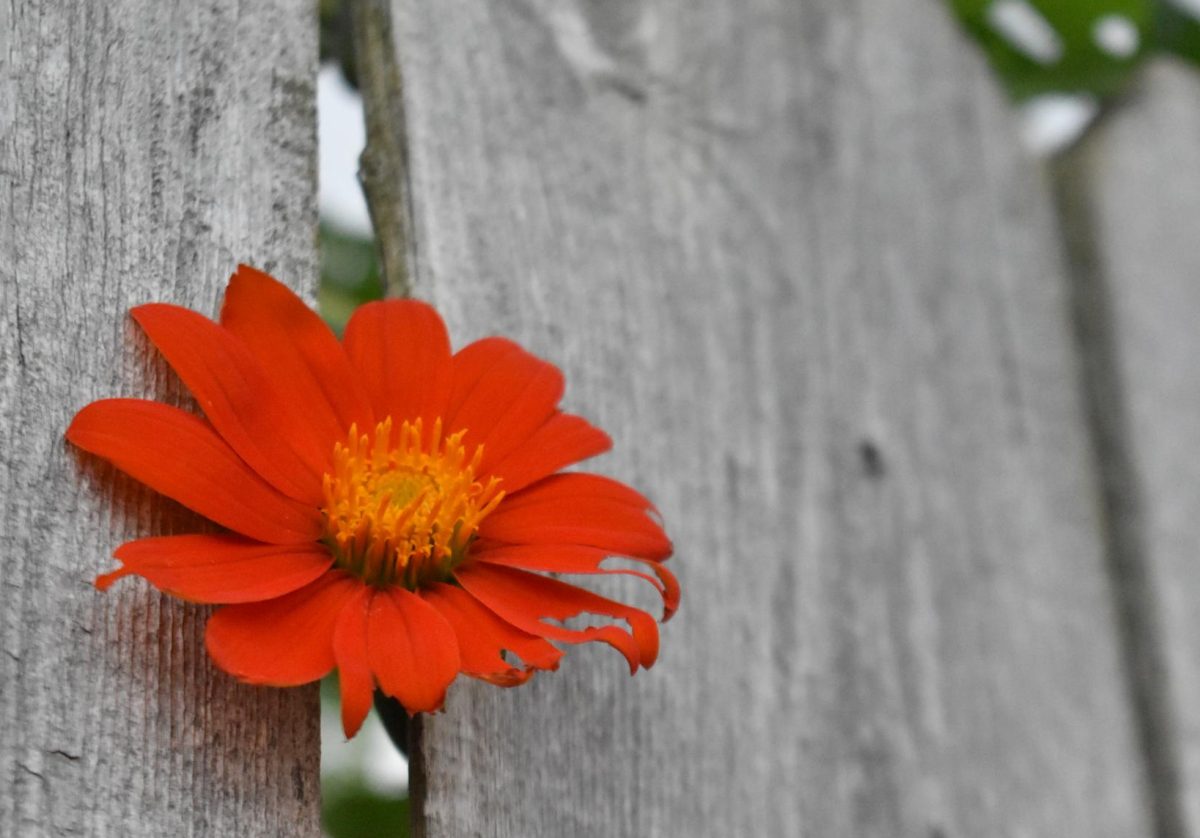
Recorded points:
(788, 254)
(383, 164)
(1133, 195)
(145, 148)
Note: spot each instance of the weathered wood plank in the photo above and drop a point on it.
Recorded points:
(1132, 198)
(145, 148)
(789, 255)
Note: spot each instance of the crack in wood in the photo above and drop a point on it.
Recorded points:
(1136, 599)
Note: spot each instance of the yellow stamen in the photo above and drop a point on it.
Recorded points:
(404, 512)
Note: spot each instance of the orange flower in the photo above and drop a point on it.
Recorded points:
(391, 505)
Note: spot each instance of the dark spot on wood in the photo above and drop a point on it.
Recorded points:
(628, 89)
(872, 459)
(298, 784)
(203, 111)
(732, 478)
(937, 832)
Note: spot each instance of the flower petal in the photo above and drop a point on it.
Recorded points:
(283, 642)
(483, 637)
(582, 509)
(297, 350)
(471, 362)
(562, 440)
(219, 568)
(355, 681)
(180, 456)
(254, 413)
(402, 353)
(501, 396)
(573, 558)
(527, 600)
(412, 649)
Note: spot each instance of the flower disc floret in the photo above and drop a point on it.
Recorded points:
(401, 508)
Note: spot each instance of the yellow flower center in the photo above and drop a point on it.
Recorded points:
(402, 509)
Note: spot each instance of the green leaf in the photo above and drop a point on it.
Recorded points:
(1177, 31)
(1077, 60)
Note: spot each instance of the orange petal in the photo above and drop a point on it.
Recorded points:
(572, 558)
(283, 642)
(350, 651)
(527, 600)
(180, 455)
(579, 509)
(402, 354)
(255, 414)
(562, 440)
(412, 650)
(501, 396)
(483, 637)
(471, 362)
(219, 568)
(297, 350)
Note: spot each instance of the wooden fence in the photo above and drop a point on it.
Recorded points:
(919, 421)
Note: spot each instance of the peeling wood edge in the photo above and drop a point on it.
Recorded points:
(383, 164)
(1132, 579)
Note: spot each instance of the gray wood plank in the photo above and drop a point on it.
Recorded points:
(1134, 197)
(790, 256)
(145, 148)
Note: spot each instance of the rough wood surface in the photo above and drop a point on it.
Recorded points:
(145, 148)
(788, 254)
(383, 163)
(1132, 197)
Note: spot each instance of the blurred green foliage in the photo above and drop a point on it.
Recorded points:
(350, 275)
(354, 811)
(335, 39)
(1081, 61)
(1177, 31)
(350, 807)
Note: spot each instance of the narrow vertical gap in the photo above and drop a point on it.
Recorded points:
(1137, 605)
